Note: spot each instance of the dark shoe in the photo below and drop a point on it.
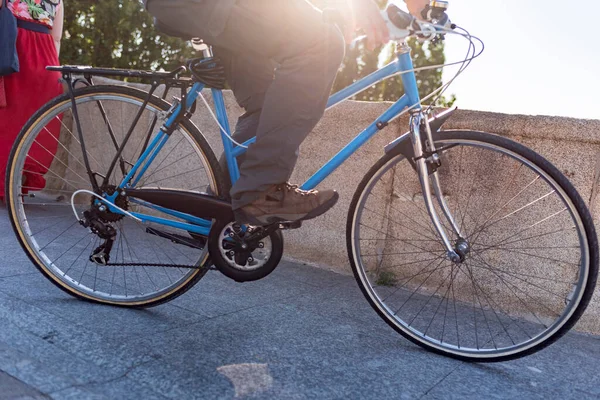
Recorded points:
(286, 203)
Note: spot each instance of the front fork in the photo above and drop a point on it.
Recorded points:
(429, 177)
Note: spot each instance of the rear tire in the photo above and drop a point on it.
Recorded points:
(46, 227)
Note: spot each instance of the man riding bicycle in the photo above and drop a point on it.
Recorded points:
(281, 60)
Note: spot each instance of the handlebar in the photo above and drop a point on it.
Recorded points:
(402, 24)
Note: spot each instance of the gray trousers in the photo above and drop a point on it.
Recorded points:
(281, 60)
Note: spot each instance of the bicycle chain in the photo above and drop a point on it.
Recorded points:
(157, 265)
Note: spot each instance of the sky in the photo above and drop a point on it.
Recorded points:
(541, 57)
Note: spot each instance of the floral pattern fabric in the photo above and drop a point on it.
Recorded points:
(41, 11)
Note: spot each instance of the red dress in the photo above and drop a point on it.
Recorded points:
(25, 92)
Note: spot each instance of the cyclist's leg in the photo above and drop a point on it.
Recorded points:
(249, 76)
(308, 52)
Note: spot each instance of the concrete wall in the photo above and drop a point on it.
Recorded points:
(572, 145)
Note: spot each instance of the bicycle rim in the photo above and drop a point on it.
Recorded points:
(51, 167)
(529, 264)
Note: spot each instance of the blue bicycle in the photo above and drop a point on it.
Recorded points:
(466, 243)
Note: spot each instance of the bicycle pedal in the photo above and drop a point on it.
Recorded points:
(100, 258)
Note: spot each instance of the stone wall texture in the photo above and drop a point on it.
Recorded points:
(572, 145)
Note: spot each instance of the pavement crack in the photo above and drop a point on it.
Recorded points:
(440, 381)
(104, 381)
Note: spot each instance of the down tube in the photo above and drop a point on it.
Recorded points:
(356, 143)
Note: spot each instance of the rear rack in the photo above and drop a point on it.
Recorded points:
(128, 73)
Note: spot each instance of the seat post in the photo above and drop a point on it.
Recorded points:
(199, 45)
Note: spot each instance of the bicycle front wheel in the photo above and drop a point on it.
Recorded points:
(533, 258)
(149, 264)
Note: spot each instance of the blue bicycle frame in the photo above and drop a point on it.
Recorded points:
(402, 64)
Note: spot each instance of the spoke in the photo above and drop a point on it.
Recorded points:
(504, 242)
(83, 273)
(436, 309)
(451, 285)
(131, 250)
(418, 287)
(496, 314)
(527, 228)
(524, 207)
(132, 259)
(63, 232)
(104, 165)
(408, 243)
(483, 226)
(525, 248)
(92, 242)
(399, 224)
(76, 139)
(413, 262)
(421, 272)
(526, 294)
(470, 193)
(69, 249)
(36, 189)
(413, 203)
(490, 268)
(522, 302)
(455, 312)
(514, 178)
(67, 213)
(58, 159)
(403, 214)
(64, 147)
(174, 176)
(536, 256)
(405, 239)
(68, 182)
(53, 173)
(166, 166)
(165, 158)
(480, 307)
(458, 177)
(392, 254)
(48, 227)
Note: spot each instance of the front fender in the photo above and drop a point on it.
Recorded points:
(403, 145)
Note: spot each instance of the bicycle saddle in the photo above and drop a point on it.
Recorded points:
(169, 30)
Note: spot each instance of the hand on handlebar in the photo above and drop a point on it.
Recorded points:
(416, 7)
(365, 15)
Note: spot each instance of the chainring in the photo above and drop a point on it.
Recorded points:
(238, 256)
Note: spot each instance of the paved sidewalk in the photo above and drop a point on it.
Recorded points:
(300, 333)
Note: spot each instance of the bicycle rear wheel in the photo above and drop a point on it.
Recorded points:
(533, 260)
(149, 264)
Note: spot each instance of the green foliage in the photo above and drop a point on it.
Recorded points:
(386, 278)
(360, 62)
(120, 34)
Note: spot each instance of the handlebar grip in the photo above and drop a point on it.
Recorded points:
(398, 17)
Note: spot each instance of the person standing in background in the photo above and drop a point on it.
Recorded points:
(40, 26)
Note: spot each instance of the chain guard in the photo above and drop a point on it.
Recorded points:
(231, 250)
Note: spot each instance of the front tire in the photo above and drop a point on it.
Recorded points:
(533, 263)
